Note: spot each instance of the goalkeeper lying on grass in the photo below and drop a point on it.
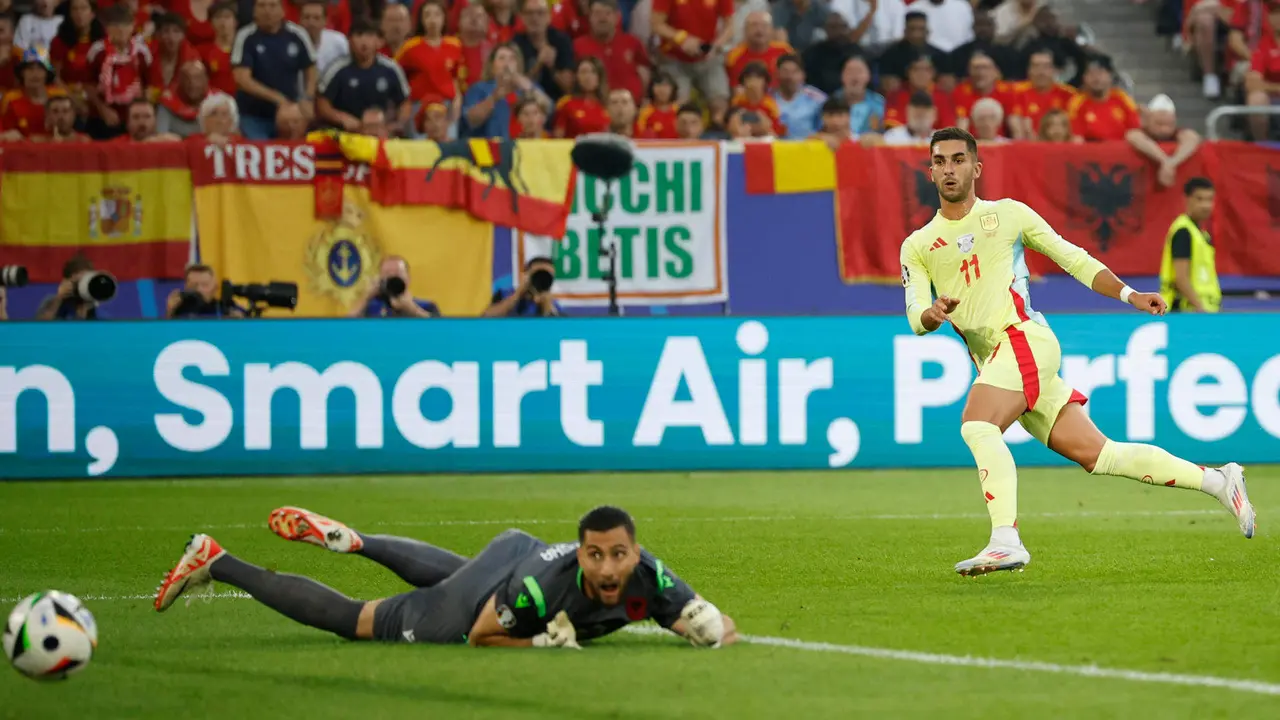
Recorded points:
(518, 592)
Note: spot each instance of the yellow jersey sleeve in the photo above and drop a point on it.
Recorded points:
(916, 283)
(1037, 235)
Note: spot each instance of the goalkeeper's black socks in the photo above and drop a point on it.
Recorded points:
(296, 597)
(417, 563)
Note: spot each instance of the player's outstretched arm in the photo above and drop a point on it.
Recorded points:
(503, 626)
(1106, 283)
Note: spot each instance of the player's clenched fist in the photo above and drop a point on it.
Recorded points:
(937, 313)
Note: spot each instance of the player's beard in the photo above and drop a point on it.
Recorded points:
(957, 193)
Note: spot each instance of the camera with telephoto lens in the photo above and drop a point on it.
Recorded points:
(392, 287)
(14, 276)
(191, 302)
(94, 286)
(541, 280)
(273, 294)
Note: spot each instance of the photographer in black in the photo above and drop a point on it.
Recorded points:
(199, 299)
(533, 297)
(389, 294)
(10, 276)
(79, 294)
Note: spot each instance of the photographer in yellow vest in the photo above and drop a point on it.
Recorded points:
(1188, 273)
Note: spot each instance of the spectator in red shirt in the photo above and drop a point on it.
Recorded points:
(657, 120)
(692, 35)
(473, 24)
(60, 122)
(396, 27)
(503, 22)
(430, 58)
(570, 17)
(1248, 25)
(69, 51)
(179, 107)
(625, 62)
(140, 125)
(921, 77)
(532, 119)
(1102, 112)
(22, 112)
(984, 82)
(757, 45)
(753, 97)
(1040, 94)
(170, 50)
(583, 111)
(622, 113)
(1262, 82)
(10, 54)
(217, 54)
(121, 63)
(198, 17)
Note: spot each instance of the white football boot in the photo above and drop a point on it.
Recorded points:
(994, 558)
(296, 524)
(191, 572)
(1235, 497)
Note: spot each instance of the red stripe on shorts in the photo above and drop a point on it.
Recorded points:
(1027, 365)
(1077, 397)
(1019, 305)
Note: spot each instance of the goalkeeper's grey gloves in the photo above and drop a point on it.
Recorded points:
(703, 623)
(559, 634)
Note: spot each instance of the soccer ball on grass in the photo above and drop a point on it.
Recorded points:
(50, 635)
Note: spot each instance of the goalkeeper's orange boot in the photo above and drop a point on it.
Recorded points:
(296, 524)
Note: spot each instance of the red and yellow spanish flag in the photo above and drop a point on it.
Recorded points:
(256, 208)
(522, 184)
(127, 207)
(789, 167)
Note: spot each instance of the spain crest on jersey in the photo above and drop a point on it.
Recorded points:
(115, 213)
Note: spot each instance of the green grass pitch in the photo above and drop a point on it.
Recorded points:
(1125, 577)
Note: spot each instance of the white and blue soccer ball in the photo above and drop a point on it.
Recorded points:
(50, 635)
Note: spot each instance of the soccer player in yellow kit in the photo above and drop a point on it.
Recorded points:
(972, 253)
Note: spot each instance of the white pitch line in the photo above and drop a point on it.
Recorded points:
(570, 521)
(1090, 671)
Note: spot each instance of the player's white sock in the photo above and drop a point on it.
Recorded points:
(1006, 535)
(1214, 481)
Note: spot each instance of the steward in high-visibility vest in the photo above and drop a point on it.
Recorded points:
(1188, 272)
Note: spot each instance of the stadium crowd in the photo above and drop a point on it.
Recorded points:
(872, 71)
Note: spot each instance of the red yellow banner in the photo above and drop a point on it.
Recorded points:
(1104, 197)
(127, 207)
(255, 206)
(523, 184)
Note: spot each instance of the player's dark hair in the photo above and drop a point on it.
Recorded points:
(536, 259)
(611, 4)
(364, 27)
(117, 15)
(164, 20)
(199, 268)
(222, 6)
(77, 263)
(1196, 183)
(916, 15)
(955, 133)
(604, 519)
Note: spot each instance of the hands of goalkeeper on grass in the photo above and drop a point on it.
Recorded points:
(705, 626)
(933, 317)
(559, 634)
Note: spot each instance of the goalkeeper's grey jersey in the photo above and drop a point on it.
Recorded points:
(549, 580)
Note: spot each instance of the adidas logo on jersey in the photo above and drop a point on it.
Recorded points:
(937, 244)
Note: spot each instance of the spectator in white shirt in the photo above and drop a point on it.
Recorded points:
(37, 28)
(330, 45)
(1014, 19)
(887, 23)
(950, 22)
(921, 115)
